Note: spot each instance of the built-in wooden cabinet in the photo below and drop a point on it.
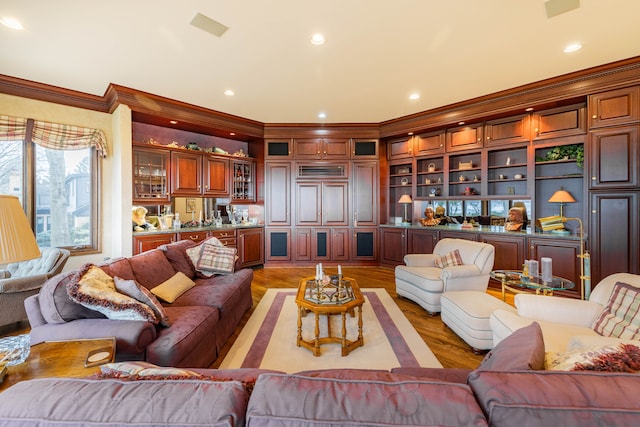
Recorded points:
(421, 241)
(193, 235)
(364, 193)
(510, 130)
(186, 173)
(250, 242)
(321, 148)
(614, 157)
(430, 177)
(364, 245)
(559, 122)
(510, 250)
(278, 244)
(465, 137)
(364, 149)
(393, 245)
(243, 181)
(278, 193)
(321, 244)
(507, 172)
(615, 107)
(465, 174)
(215, 176)
(322, 203)
(150, 175)
(400, 148)
(279, 149)
(429, 143)
(147, 242)
(565, 261)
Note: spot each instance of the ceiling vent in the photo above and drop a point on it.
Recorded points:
(321, 171)
(209, 25)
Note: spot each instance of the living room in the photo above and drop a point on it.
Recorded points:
(132, 116)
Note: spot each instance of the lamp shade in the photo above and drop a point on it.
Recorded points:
(405, 199)
(561, 196)
(17, 242)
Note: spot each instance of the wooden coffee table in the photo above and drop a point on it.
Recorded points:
(327, 300)
(61, 359)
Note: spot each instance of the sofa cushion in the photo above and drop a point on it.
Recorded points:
(172, 288)
(177, 256)
(609, 358)
(55, 304)
(553, 398)
(140, 293)
(522, 350)
(76, 401)
(450, 259)
(621, 316)
(307, 401)
(96, 290)
(217, 259)
(119, 267)
(151, 268)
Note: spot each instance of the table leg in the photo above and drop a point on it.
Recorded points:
(504, 284)
(344, 334)
(360, 326)
(300, 310)
(316, 349)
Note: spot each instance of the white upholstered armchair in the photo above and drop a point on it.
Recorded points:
(566, 323)
(23, 279)
(421, 281)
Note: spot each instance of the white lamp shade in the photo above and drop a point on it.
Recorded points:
(17, 242)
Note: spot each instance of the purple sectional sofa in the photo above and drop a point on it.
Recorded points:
(202, 319)
(507, 389)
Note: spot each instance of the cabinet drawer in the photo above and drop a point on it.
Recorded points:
(196, 236)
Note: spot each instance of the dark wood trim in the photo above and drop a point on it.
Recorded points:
(315, 130)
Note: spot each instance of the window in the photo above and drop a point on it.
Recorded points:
(54, 172)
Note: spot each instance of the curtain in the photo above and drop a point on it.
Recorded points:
(12, 128)
(57, 136)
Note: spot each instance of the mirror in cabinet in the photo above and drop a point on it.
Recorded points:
(150, 175)
(507, 172)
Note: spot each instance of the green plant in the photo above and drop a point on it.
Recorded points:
(574, 151)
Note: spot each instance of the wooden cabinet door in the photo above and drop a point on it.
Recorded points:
(340, 238)
(429, 143)
(464, 137)
(302, 244)
(614, 158)
(459, 235)
(216, 176)
(365, 245)
(251, 247)
(558, 122)
(365, 200)
(151, 241)
(186, 174)
(308, 203)
(509, 130)
(335, 203)
(279, 149)
(278, 244)
(422, 241)
(150, 175)
(613, 233)
(399, 148)
(364, 148)
(565, 261)
(510, 252)
(321, 148)
(393, 245)
(307, 148)
(335, 148)
(615, 107)
(278, 193)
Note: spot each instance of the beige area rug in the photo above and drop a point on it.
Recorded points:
(268, 340)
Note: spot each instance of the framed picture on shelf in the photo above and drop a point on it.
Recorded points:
(191, 205)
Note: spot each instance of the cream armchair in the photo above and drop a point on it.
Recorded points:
(422, 282)
(23, 279)
(566, 323)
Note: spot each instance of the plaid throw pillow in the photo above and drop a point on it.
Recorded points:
(620, 318)
(449, 260)
(217, 259)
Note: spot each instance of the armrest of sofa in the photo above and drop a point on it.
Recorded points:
(22, 284)
(558, 310)
(456, 271)
(420, 260)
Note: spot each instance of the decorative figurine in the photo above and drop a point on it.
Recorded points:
(430, 219)
(138, 219)
(514, 220)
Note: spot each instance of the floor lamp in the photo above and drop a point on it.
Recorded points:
(17, 242)
(405, 201)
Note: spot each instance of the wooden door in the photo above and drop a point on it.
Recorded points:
(614, 158)
(399, 148)
(335, 203)
(216, 176)
(278, 193)
(335, 148)
(251, 247)
(302, 244)
(510, 130)
(307, 148)
(309, 203)
(464, 137)
(393, 245)
(365, 201)
(421, 241)
(151, 241)
(615, 107)
(559, 122)
(365, 245)
(186, 174)
(340, 238)
(429, 143)
(565, 261)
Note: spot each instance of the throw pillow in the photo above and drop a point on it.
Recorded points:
(609, 358)
(620, 318)
(96, 290)
(217, 259)
(522, 350)
(171, 289)
(194, 257)
(140, 293)
(449, 260)
(143, 369)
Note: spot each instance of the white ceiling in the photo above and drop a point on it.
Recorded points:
(377, 51)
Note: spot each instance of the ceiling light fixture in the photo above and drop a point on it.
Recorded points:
(229, 92)
(574, 47)
(173, 122)
(12, 23)
(322, 115)
(528, 109)
(414, 96)
(317, 39)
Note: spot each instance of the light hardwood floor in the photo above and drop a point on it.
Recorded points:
(450, 350)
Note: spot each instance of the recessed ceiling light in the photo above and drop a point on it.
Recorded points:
(572, 48)
(322, 115)
(528, 109)
(12, 23)
(410, 133)
(460, 123)
(414, 96)
(229, 92)
(317, 39)
(173, 122)
(232, 134)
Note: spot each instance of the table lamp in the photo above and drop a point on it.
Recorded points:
(405, 200)
(17, 242)
(561, 196)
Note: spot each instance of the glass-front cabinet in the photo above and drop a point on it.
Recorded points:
(243, 181)
(150, 175)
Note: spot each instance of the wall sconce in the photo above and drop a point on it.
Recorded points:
(405, 201)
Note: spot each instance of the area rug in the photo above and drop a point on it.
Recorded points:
(268, 340)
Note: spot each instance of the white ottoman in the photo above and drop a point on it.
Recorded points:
(467, 313)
